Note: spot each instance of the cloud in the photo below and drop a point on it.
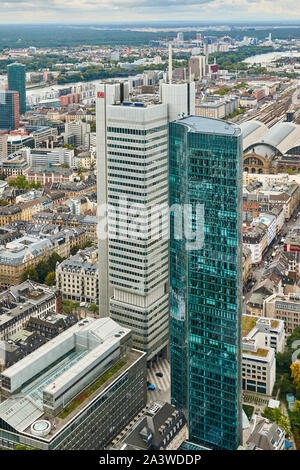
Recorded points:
(34, 11)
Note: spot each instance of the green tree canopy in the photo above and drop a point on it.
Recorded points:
(50, 279)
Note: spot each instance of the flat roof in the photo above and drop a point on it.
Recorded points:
(210, 126)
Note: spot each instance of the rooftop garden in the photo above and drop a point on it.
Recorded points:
(247, 324)
(260, 352)
(79, 399)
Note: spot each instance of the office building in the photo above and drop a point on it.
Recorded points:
(283, 307)
(3, 145)
(262, 339)
(76, 392)
(43, 157)
(77, 133)
(132, 166)
(17, 82)
(196, 67)
(9, 110)
(206, 279)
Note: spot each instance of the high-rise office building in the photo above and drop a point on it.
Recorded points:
(17, 82)
(206, 279)
(9, 110)
(132, 170)
(196, 67)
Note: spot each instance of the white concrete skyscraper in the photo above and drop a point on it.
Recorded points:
(132, 173)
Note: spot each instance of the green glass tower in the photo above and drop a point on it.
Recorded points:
(206, 278)
(17, 82)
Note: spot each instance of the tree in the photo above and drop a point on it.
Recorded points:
(68, 305)
(54, 258)
(20, 182)
(295, 368)
(94, 308)
(50, 279)
(283, 361)
(31, 273)
(42, 270)
(37, 185)
(275, 415)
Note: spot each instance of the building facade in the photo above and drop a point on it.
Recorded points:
(132, 164)
(206, 279)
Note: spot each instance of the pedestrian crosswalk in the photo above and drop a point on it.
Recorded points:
(162, 384)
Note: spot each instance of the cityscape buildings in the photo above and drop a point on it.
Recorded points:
(206, 279)
(139, 132)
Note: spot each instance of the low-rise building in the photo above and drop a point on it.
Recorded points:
(256, 239)
(86, 222)
(29, 250)
(23, 301)
(285, 308)
(51, 325)
(18, 346)
(46, 157)
(78, 391)
(13, 165)
(48, 176)
(78, 278)
(258, 369)
(266, 436)
(161, 427)
(247, 264)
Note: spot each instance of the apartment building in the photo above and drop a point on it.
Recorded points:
(285, 308)
(78, 278)
(247, 264)
(14, 165)
(29, 250)
(23, 301)
(87, 222)
(256, 239)
(266, 436)
(24, 210)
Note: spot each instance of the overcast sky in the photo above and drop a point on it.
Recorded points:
(35, 11)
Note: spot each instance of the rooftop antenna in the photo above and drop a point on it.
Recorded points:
(170, 64)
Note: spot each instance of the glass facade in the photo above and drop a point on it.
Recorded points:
(9, 110)
(206, 279)
(17, 82)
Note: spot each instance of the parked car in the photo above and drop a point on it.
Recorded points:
(151, 387)
(159, 374)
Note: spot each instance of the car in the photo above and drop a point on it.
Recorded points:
(151, 387)
(159, 374)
